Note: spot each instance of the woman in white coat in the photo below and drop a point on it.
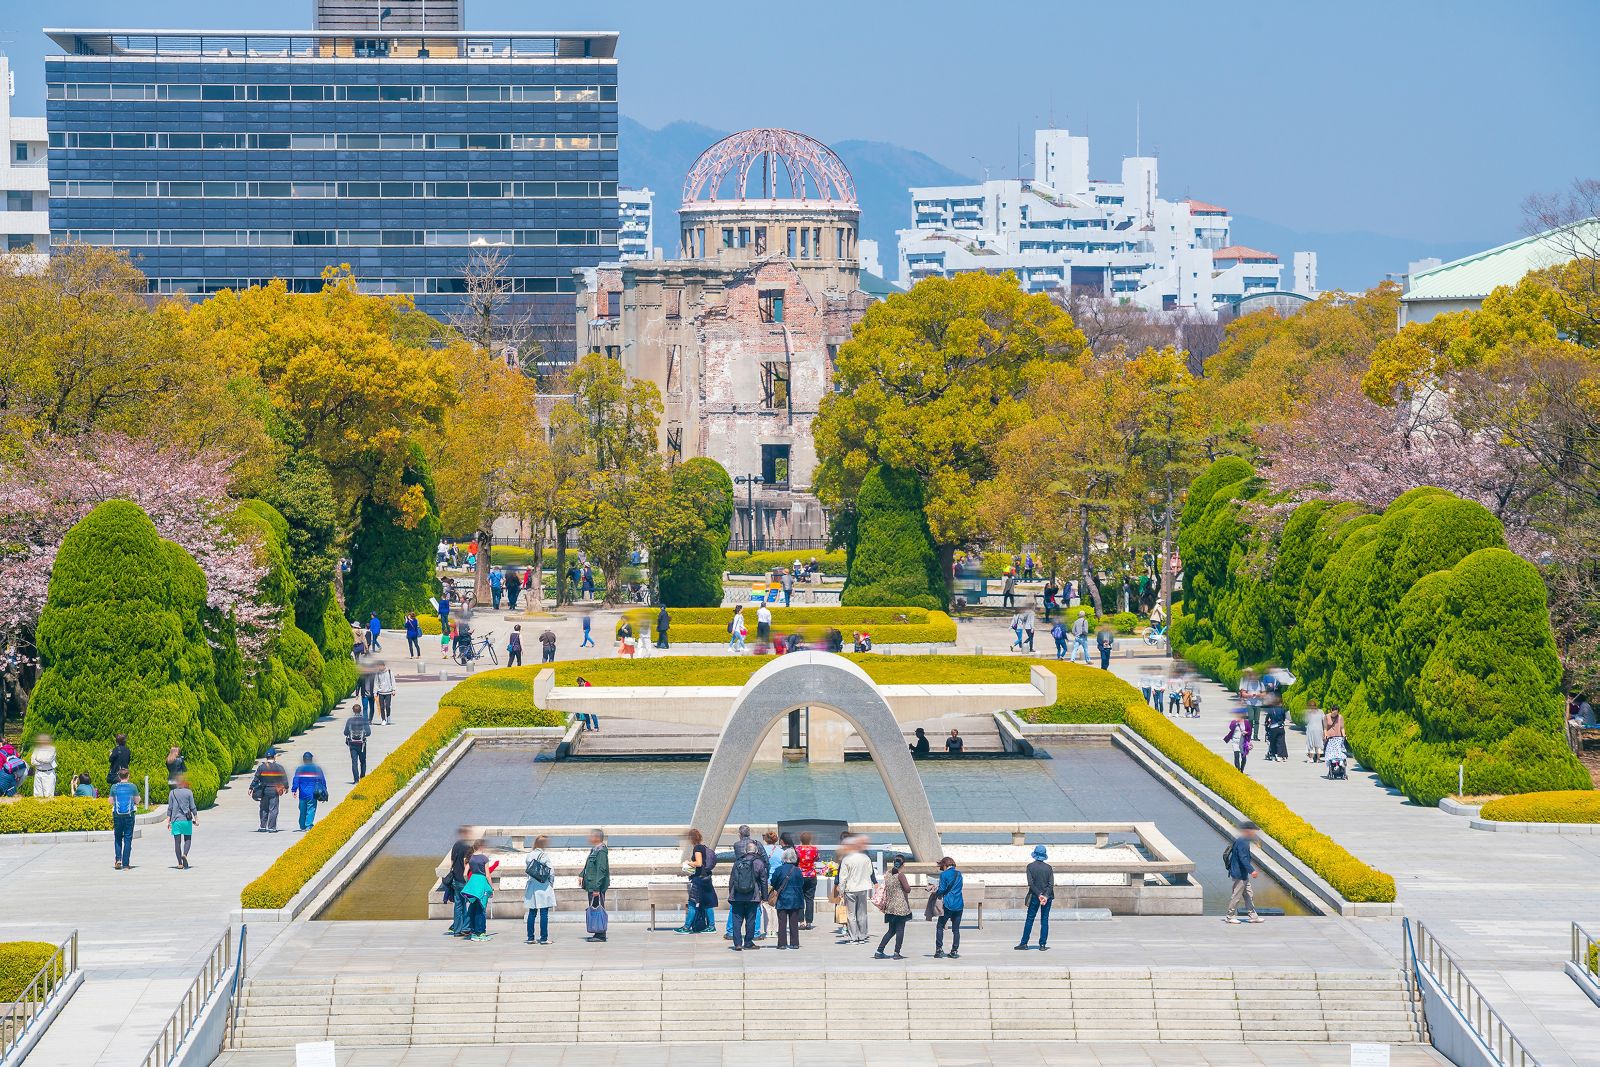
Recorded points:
(540, 895)
(43, 758)
(1314, 734)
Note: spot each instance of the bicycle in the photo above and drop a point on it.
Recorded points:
(476, 649)
(1156, 635)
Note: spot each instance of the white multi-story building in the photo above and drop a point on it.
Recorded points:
(1065, 230)
(636, 224)
(24, 181)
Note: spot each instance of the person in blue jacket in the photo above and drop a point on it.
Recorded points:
(1241, 869)
(374, 629)
(790, 886)
(311, 786)
(949, 893)
(413, 635)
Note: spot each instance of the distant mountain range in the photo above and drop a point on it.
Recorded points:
(883, 173)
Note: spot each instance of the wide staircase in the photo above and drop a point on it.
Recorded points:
(951, 1004)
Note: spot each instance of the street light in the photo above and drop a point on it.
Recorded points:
(750, 481)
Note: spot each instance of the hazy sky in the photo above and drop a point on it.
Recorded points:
(1429, 119)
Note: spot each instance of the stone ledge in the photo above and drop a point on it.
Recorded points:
(1576, 828)
(1452, 806)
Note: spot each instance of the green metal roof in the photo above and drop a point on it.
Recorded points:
(1478, 275)
(876, 287)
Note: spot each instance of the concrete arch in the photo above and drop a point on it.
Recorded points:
(817, 679)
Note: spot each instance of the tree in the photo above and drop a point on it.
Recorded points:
(894, 562)
(929, 384)
(690, 551)
(491, 317)
(391, 563)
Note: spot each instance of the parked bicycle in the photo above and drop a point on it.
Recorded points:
(476, 649)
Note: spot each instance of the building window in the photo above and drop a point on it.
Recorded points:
(727, 237)
(613, 303)
(770, 304)
(761, 240)
(613, 351)
(674, 370)
(19, 151)
(775, 386)
(675, 442)
(775, 466)
(672, 303)
(833, 358)
(19, 242)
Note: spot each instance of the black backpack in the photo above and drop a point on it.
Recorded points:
(1227, 858)
(743, 879)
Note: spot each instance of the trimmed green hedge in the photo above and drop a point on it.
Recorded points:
(1417, 623)
(689, 570)
(755, 563)
(736, 670)
(886, 625)
(58, 815)
(894, 561)
(20, 961)
(1087, 695)
(392, 563)
(1563, 805)
(487, 705)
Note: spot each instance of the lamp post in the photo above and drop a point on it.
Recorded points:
(750, 481)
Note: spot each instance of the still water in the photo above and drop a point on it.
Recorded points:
(505, 786)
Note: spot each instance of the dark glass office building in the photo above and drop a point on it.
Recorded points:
(225, 160)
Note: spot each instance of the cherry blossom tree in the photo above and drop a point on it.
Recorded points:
(55, 482)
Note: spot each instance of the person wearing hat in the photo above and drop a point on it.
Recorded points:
(1242, 868)
(1041, 894)
(311, 786)
(267, 785)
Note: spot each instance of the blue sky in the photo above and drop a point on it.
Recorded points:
(1424, 119)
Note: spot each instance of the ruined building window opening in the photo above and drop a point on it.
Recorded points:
(727, 237)
(744, 237)
(672, 302)
(674, 377)
(775, 386)
(675, 443)
(761, 240)
(794, 243)
(833, 360)
(613, 304)
(770, 304)
(775, 466)
(613, 351)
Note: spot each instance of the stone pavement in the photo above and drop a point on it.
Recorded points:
(144, 933)
(815, 1047)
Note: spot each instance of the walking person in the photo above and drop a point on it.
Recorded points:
(763, 624)
(513, 587)
(1016, 633)
(547, 646)
(1027, 624)
(1058, 634)
(949, 893)
(588, 637)
(383, 685)
(43, 758)
(540, 895)
(176, 767)
(267, 786)
(374, 631)
(663, 624)
(1314, 735)
(596, 879)
(700, 911)
(736, 630)
(856, 878)
(413, 635)
(1008, 594)
(124, 802)
(1105, 640)
(1041, 894)
(514, 647)
(896, 909)
(1277, 727)
(747, 889)
(357, 729)
(367, 690)
(497, 587)
(181, 818)
(788, 594)
(1238, 738)
(121, 759)
(788, 897)
(310, 785)
(1242, 868)
(1080, 638)
(806, 856)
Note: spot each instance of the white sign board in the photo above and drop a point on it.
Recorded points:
(320, 1054)
(1369, 1056)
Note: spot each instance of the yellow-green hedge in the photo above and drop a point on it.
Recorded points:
(829, 563)
(19, 962)
(291, 871)
(58, 815)
(1088, 695)
(430, 624)
(1560, 805)
(886, 625)
(736, 670)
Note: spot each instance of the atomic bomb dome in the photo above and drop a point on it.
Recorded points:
(769, 165)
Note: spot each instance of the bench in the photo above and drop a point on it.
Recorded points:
(972, 895)
(666, 895)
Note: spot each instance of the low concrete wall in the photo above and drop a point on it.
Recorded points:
(1452, 1035)
(1581, 829)
(41, 1022)
(204, 1043)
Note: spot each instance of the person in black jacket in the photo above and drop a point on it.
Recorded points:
(920, 747)
(663, 624)
(1041, 894)
(120, 760)
(455, 878)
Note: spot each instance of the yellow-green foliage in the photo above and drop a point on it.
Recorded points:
(736, 670)
(430, 624)
(1561, 805)
(487, 705)
(20, 961)
(1088, 695)
(501, 698)
(59, 815)
(829, 563)
(888, 626)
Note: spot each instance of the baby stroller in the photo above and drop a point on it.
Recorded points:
(1337, 755)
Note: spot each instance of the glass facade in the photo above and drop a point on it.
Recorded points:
(217, 164)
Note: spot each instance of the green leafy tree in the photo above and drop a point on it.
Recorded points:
(690, 551)
(392, 563)
(894, 562)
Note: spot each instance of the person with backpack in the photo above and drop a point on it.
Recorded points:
(596, 879)
(895, 902)
(747, 888)
(787, 894)
(1041, 894)
(267, 785)
(949, 893)
(1058, 633)
(181, 818)
(540, 895)
(383, 685)
(13, 770)
(1241, 867)
(120, 760)
(700, 911)
(357, 728)
(311, 786)
(124, 802)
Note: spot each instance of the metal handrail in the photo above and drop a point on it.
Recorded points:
(1586, 951)
(20, 1013)
(187, 1014)
(239, 962)
(1469, 1003)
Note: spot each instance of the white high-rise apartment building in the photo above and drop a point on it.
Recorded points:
(1065, 230)
(24, 181)
(636, 224)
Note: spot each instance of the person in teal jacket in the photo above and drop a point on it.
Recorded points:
(478, 892)
(949, 893)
